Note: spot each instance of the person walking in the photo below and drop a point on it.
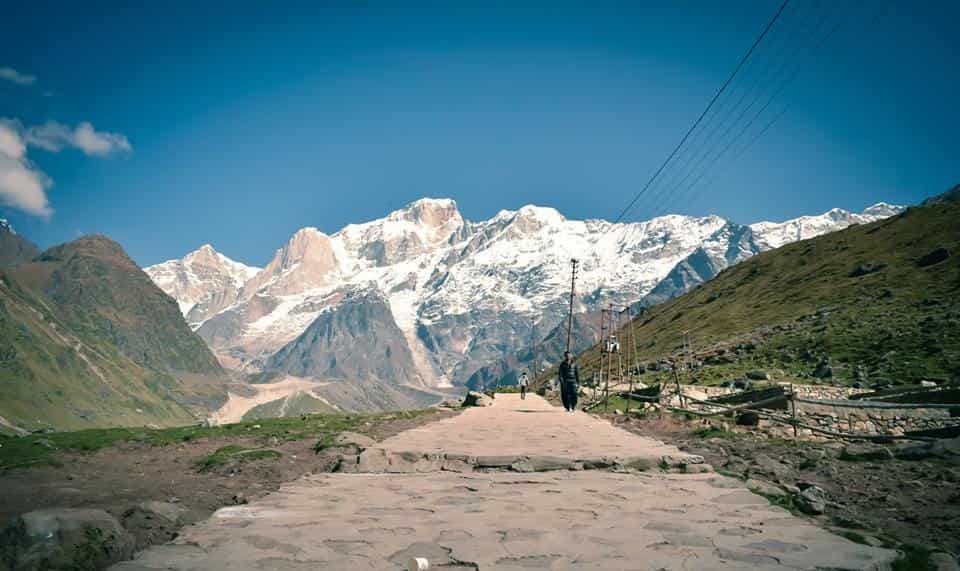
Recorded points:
(569, 377)
(523, 385)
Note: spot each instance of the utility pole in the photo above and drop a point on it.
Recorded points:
(573, 282)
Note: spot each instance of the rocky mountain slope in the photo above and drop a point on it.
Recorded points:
(874, 304)
(87, 339)
(462, 295)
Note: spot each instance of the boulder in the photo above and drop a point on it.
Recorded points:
(758, 375)
(64, 539)
(154, 522)
(812, 500)
(866, 452)
(946, 448)
(748, 418)
(474, 398)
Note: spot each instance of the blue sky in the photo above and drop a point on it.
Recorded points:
(235, 123)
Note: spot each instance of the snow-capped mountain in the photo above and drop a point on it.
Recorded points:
(459, 294)
(204, 282)
(771, 235)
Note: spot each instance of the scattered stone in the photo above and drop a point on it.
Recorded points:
(45, 443)
(64, 539)
(239, 499)
(474, 398)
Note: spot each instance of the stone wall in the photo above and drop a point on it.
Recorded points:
(875, 421)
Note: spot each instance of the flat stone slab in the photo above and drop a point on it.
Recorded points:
(517, 485)
(501, 520)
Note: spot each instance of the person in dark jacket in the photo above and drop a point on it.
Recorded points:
(569, 377)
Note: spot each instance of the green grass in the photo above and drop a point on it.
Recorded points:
(786, 502)
(234, 454)
(25, 451)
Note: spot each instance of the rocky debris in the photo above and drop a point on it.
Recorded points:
(153, 522)
(475, 398)
(812, 500)
(64, 539)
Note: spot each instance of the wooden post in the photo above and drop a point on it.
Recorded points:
(676, 381)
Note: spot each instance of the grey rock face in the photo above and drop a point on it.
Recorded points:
(359, 339)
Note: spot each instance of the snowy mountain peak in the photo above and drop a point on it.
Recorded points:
(883, 209)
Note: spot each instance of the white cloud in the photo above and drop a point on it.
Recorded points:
(53, 136)
(15, 76)
(24, 186)
(21, 185)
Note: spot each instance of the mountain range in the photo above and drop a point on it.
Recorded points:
(424, 298)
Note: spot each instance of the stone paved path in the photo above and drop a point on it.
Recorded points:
(568, 519)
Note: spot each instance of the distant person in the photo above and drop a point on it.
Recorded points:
(569, 378)
(523, 385)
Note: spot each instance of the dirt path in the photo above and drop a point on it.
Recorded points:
(562, 519)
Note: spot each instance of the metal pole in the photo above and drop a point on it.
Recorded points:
(630, 358)
(606, 386)
(573, 282)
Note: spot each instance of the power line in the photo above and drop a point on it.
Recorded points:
(712, 156)
(719, 92)
(699, 144)
(787, 80)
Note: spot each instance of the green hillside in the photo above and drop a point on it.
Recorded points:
(872, 304)
(86, 339)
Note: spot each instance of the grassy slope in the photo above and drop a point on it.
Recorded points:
(20, 452)
(796, 306)
(86, 340)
